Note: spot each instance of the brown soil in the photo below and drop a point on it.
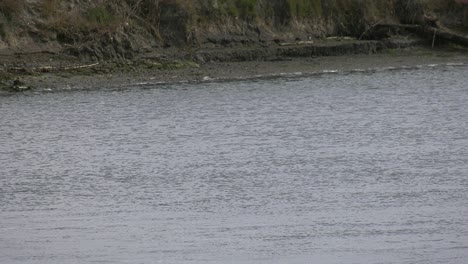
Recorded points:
(110, 76)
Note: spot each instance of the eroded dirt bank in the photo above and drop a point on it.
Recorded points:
(194, 39)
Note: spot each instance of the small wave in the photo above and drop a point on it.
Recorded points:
(456, 64)
(327, 71)
(152, 82)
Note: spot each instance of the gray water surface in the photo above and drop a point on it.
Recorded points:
(342, 168)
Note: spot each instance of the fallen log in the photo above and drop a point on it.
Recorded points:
(430, 32)
(446, 35)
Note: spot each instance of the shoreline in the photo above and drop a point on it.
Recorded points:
(191, 41)
(286, 67)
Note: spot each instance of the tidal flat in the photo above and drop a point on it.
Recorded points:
(118, 75)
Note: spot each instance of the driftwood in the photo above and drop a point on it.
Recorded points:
(81, 66)
(433, 32)
(447, 35)
(51, 68)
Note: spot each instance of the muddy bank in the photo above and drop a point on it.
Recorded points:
(184, 38)
(109, 30)
(407, 59)
(97, 30)
(19, 66)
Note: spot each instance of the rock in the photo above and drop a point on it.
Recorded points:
(19, 86)
(17, 82)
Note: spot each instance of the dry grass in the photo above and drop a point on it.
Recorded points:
(77, 24)
(11, 8)
(49, 8)
(89, 18)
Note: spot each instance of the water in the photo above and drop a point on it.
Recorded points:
(335, 168)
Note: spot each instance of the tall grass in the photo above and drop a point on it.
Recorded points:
(3, 31)
(48, 7)
(304, 8)
(11, 8)
(247, 8)
(100, 16)
(171, 17)
(219, 9)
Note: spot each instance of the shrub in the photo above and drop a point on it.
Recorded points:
(100, 16)
(246, 8)
(410, 11)
(304, 8)
(3, 32)
(48, 8)
(11, 8)
(230, 8)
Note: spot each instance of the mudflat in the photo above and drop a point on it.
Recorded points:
(116, 75)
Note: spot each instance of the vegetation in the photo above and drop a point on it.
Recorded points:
(170, 20)
(3, 32)
(247, 8)
(11, 8)
(99, 16)
(48, 8)
(304, 8)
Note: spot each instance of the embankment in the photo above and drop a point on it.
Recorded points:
(63, 35)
